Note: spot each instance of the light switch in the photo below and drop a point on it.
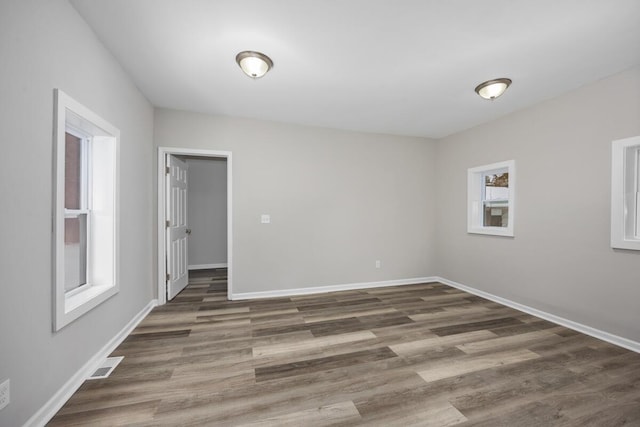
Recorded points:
(265, 219)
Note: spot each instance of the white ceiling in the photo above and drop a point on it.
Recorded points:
(405, 67)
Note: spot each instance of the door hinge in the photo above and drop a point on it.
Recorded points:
(168, 277)
(167, 223)
(167, 170)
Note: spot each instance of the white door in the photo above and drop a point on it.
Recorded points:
(177, 232)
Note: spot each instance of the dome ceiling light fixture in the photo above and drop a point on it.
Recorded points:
(492, 89)
(254, 64)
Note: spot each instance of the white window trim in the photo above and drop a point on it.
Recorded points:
(475, 195)
(625, 193)
(69, 306)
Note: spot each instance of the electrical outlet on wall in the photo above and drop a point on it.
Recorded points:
(4, 394)
(378, 264)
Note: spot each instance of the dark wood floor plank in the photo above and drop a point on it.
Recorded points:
(159, 335)
(348, 303)
(475, 326)
(113, 416)
(530, 414)
(322, 364)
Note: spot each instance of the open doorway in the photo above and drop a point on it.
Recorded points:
(181, 232)
(207, 212)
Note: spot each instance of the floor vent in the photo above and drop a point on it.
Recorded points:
(106, 368)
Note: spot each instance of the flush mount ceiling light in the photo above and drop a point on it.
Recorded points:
(254, 64)
(493, 88)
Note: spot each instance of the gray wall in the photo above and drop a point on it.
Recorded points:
(44, 44)
(338, 200)
(559, 260)
(207, 211)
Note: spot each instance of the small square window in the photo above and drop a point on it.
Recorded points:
(490, 199)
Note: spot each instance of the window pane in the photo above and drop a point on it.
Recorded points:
(72, 171)
(75, 252)
(496, 214)
(496, 186)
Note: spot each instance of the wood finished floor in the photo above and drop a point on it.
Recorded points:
(423, 355)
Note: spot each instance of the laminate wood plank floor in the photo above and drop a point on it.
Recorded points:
(417, 355)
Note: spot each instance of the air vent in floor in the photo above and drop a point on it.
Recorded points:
(106, 368)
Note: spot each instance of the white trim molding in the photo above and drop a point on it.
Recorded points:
(625, 194)
(585, 329)
(99, 203)
(331, 288)
(57, 401)
(476, 198)
(206, 266)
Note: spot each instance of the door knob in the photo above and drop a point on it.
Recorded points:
(188, 231)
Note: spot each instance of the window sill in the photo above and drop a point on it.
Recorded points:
(628, 244)
(81, 302)
(86, 296)
(493, 231)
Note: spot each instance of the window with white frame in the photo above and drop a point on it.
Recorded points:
(625, 194)
(490, 204)
(85, 211)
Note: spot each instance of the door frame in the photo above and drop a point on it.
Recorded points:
(162, 230)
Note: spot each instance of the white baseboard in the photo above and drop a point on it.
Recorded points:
(44, 415)
(587, 330)
(205, 266)
(331, 288)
